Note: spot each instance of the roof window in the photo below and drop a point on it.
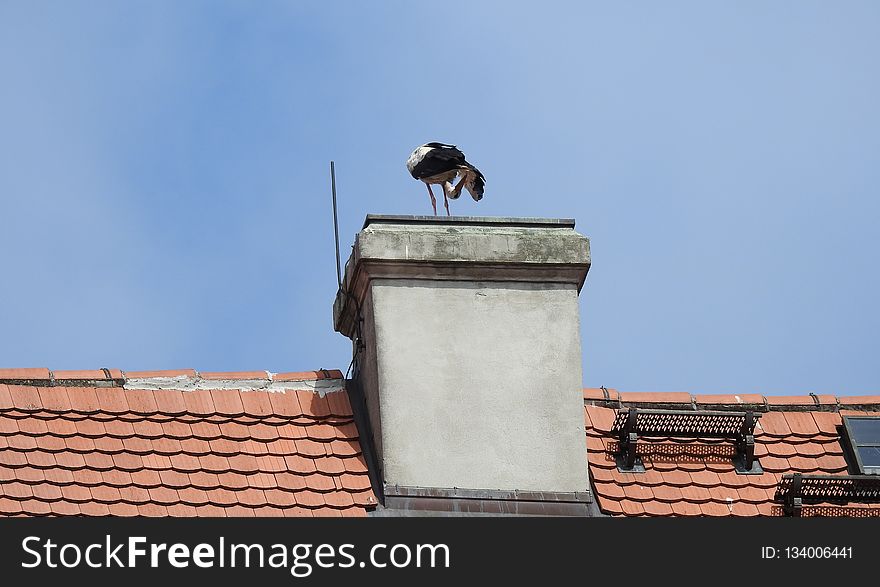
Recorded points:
(863, 434)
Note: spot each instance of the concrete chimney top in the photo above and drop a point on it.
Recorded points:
(457, 247)
(467, 355)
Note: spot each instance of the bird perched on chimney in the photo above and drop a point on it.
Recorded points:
(439, 163)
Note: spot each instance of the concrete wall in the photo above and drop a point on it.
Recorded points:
(479, 384)
(368, 372)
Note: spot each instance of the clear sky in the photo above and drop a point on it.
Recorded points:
(164, 185)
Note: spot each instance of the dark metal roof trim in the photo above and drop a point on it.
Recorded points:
(487, 501)
(510, 495)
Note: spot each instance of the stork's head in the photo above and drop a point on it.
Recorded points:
(477, 185)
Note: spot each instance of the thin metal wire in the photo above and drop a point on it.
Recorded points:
(335, 223)
(359, 344)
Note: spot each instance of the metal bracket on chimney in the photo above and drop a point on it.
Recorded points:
(736, 426)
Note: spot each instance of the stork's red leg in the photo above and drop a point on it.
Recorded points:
(433, 200)
(446, 202)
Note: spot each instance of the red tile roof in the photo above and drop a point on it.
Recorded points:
(177, 443)
(692, 477)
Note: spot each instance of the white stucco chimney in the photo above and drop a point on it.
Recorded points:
(468, 360)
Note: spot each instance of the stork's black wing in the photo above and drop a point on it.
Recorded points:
(440, 159)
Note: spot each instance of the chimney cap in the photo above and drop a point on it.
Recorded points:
(469, 221)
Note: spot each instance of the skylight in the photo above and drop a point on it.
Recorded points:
(864, 438)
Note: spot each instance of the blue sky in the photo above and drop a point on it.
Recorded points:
(164, 176)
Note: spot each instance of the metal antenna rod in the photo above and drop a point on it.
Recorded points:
(335, 223)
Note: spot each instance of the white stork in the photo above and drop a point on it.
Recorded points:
(441, 163)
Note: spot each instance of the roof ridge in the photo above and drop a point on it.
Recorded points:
(104, 377)
(813, 402)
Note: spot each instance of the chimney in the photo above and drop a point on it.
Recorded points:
(468, 362)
